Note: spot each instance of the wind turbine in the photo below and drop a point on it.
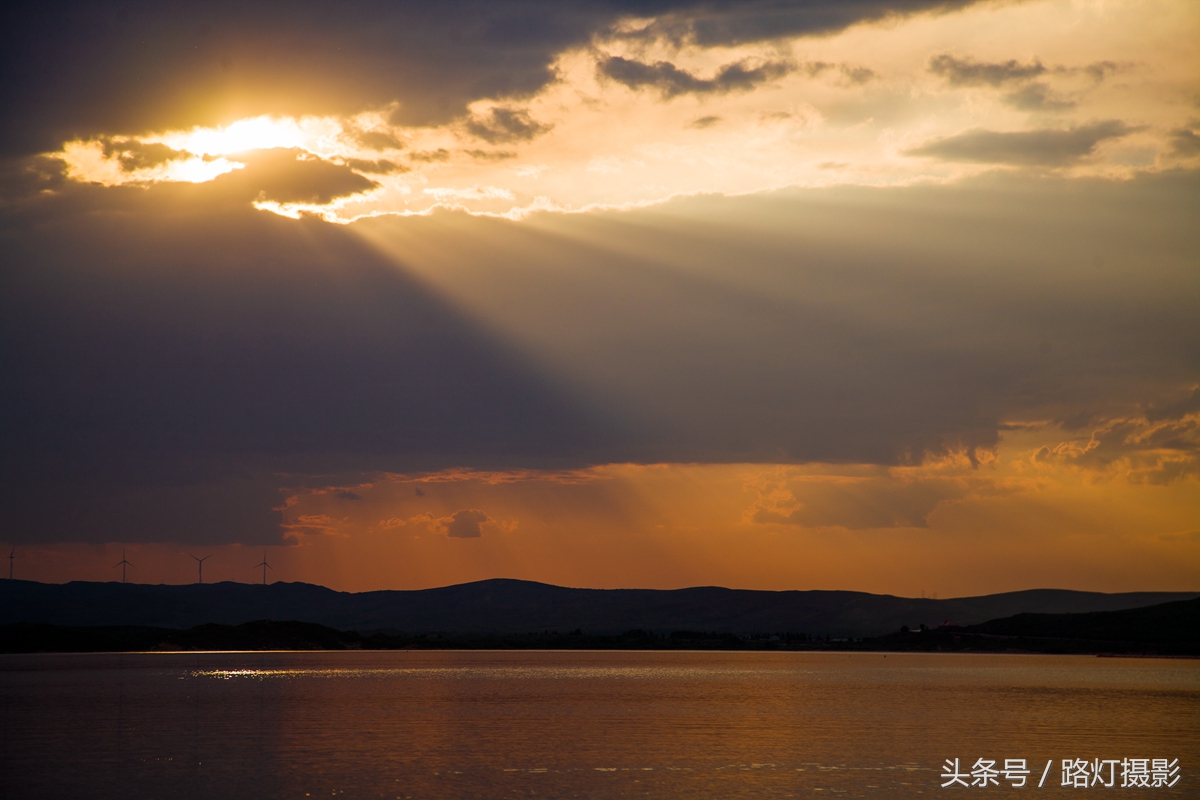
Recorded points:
(200, 567)
(122, 564)
(265, 567)
(11, 556)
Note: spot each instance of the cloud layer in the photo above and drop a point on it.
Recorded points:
(635, 95)
(969, 72)
(170, 349)
(1046, 148)
(853, 294)
(70, 70)
(670, 80)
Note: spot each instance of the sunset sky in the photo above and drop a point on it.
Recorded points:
(889, 296)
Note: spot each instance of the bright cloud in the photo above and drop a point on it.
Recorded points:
(1084, 89)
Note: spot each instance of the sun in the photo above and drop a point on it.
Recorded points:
(255, 133)
(200, 154)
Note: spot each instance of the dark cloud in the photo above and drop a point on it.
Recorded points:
(704, 122)
(491, 155)
(883, 325)
(1177, 410)
(74, 68)
(1099, 70)
(852, 73)
(710, 24)
(672, 81)
(505, 125)
(969, 72)
(1185, 142)
(1150, 449)
(23, 178)
(218, 505)
(1031, 96)
(283, 175)
(1037, 97)
(379, 140)
(171, 356)
(430, 156)
(173, 359)
(858, 75)
(1043, 148)
(465, 524)
(380, 167)
(291, 176)
(346, 494)
(134, 155)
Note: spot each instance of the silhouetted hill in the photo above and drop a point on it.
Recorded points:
(1165, 629)
(1175, 623)
(509, 606)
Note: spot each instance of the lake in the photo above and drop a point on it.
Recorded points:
(592, 724)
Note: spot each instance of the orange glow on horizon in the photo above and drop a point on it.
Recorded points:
(1017, 521)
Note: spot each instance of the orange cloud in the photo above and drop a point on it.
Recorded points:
(1001, 521)
(464, 524)
(1139, 449)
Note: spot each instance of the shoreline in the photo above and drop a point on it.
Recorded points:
(286, 636)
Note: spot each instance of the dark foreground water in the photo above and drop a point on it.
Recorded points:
(584, 724)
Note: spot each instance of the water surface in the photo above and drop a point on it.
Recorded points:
(420, 724)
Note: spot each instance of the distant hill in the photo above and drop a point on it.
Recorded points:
(1166, 623)
(504, 606)
(1164, 629)
(1167, 629)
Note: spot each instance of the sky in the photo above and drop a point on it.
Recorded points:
(898, 297)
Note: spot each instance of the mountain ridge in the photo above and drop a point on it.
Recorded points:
(505, 605)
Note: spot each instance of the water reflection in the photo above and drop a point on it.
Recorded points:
(595, 724)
